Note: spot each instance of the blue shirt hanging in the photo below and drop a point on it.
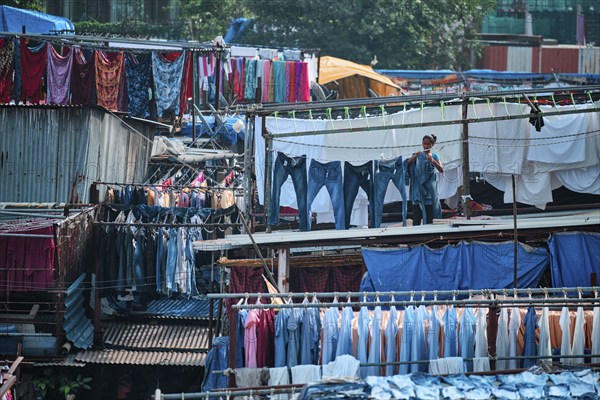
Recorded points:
(167, 82)
(530, 346)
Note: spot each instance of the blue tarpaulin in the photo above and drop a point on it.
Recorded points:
(473, 265)
(13, 19)
(573, 257)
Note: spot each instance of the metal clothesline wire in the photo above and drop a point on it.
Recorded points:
(162, 186)
(484, 292)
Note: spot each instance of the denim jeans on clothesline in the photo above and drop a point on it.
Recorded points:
(328, 175)
(356, 177)
(296, 168)
(386, 171)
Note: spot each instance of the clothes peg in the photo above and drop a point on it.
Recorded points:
(349, 297)
(580, 292)
(564, 290)
(470, 294)
(335, 297)
(392, 297)
(545, 292)
(435, 295)
(454, 295)
(422, 105)
(376, 297)
(365, 297)
(422, 295)
(412, 296)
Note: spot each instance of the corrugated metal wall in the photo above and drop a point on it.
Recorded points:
(589, 60)
(560, 59)
(54, 154)
(519, 59)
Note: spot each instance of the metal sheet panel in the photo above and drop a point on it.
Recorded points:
(180, 309)
(79, 329)
(163, 337)
(53, 154)
(495, 57)
(126, 357)
(519, 59)
(589, 60)
(560, 59)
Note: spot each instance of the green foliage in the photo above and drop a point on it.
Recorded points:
(203, 20)
(27, 4)
(60, 387)
(412, 34)
(129, 29)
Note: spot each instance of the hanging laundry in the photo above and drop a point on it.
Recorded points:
(187, 84)
(265, 333)
(578, 337)
(513, 330)
(419, 345)
(83, 81)
(59, 75)
(545, 347)
(298, 80)
(406, 339)
(344, 345)
(139, 88)
(450, 323)
(293, 345)
(16, 92)
(529, 345)
(279, 81)
(252, 319)
(565, 343)
(33, 67)
(433, 334)
(481, 362)
(7, 67)
(331, 335)
(502, 340)
(363, 339)
(281, 337)
(108, 78)
(290, 75)
(467, 337)
(167, 83)
(250, 80)
(304, 83)
(596, 334)
(391, 331)
(375, 342)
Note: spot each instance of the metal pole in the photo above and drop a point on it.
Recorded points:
(466, 187)
(515, 238)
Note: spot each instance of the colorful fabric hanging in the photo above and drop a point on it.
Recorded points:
(291, 78)
(83, 79)
(304, 85)
(6, 69)
(33, 67)
(137, 71)
(108, 79)
(250, 80)
(167, 82)
(298, 79)
(187, 84)
(280, 82)
(59, 76)
(16, 94)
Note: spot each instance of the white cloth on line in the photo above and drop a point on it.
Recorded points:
(481, 341)
(578, 336)
(306, 374)
(544, 346)
(238, 51)
(279, 376)
(345, 367)
(580, 180)
(513, 330)
(565, 343)
(481, 364)
(596, 335)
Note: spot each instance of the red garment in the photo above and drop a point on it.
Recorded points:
(83, 80)
(33, 67)
(313, 279)
(7, 67)
(27, 263)
(187, 83)
(172, 56)
(108, 79)
(292, 81)
(346, 279)
(304, 85)
(265, 339)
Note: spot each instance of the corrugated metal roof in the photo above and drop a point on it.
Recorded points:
(180, 309)
(68, 361)
(142, 336)
(127, 357)
(54, 154)
(79, 329)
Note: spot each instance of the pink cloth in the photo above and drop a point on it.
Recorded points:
(304, 85)
(59, 75)
(250, 343)
(266, 82)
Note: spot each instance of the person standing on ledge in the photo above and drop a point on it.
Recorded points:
(421, 167)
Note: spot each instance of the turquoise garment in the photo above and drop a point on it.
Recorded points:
(450, 333)
(279, 81)
(391, 331)
(375, 342)
(344, 344)
(167, 83)
(408, 331)
(467, 337)
(331, 335)
(250, 80)
(530, 346)
(433, 335)
(281, 338)
(363, 339)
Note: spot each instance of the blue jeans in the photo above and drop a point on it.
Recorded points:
(384, 172)
(296, 168)
(330, 176)
(355, 177)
